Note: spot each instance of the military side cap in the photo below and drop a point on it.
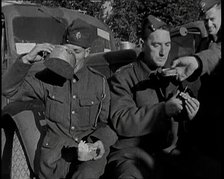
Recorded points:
(151, 24)
(80, 33)
(205, 5)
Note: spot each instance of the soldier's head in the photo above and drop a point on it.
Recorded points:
(79, 37)
(69, 58)
(157, 41)
(211, 14)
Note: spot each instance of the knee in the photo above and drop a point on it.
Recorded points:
(128, 169)
(88, 171)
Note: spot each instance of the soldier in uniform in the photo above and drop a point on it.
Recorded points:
(78, 137)
(204, 143)
(142, 107)
(209, 56)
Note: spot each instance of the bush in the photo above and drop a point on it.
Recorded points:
(125, 21)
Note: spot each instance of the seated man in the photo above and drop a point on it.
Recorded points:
(78, 137)
(144, 105)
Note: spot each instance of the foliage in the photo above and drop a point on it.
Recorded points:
(127, 15)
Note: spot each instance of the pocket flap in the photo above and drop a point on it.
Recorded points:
(88, 102)
(56, 97)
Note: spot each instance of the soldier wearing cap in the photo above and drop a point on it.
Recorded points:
(77, 101)
(141, 113)
(206, 60)
(204, 135)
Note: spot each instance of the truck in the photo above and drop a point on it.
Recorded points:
(26, 24)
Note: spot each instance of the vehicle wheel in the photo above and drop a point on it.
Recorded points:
(19, 166)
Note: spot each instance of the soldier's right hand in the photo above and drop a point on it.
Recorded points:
(173, 106)
(34, 54)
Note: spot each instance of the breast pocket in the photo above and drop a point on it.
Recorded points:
(55, 107)
(89, 108)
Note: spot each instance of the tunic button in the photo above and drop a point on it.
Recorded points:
(72, 128)
(92, 102)
(74, 80)
(53, 96)
(76, 139)
(74, 96)
(46, 144)
(73, 112)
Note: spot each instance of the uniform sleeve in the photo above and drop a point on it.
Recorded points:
(210, 57)
(18, 85)
(128, 119)
(103, 131)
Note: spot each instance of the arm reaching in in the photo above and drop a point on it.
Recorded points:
(185, 66)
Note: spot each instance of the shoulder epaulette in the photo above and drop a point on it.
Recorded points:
(130, 65)
(96, 72)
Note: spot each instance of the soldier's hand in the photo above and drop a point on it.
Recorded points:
(99, 149)
(34, 54)
(185, 66)
(173, 106)
(191, 104)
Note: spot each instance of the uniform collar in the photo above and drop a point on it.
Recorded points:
(217, 37)
(145, 71)
(80, 73)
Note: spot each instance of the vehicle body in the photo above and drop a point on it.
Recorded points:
(24, 25)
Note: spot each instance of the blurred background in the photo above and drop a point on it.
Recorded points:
(124, 16)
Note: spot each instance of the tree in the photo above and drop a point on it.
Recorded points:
(127, 15)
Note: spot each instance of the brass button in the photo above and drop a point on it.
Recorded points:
(73, 112)
(74, 80)
(74, 96)
(72, 128)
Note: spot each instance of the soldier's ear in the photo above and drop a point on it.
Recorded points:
(87, 51)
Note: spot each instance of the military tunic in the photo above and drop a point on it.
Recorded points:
(138, 115)
(74, 109)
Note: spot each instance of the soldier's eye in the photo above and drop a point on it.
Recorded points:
(155, 44)
(168, 44)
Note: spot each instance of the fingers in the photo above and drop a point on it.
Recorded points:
(34, 53)
(100, 149)
(191, 102)
(182, 74)
(175, 63)
(191, 105)
(46, 47)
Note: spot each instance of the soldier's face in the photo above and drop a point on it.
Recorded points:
(212, 20)
(157, 47)
(80, 54)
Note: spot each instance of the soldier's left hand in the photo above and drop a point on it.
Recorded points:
(191, 104)
(99, 149)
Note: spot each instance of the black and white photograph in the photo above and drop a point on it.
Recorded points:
(111, 89)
